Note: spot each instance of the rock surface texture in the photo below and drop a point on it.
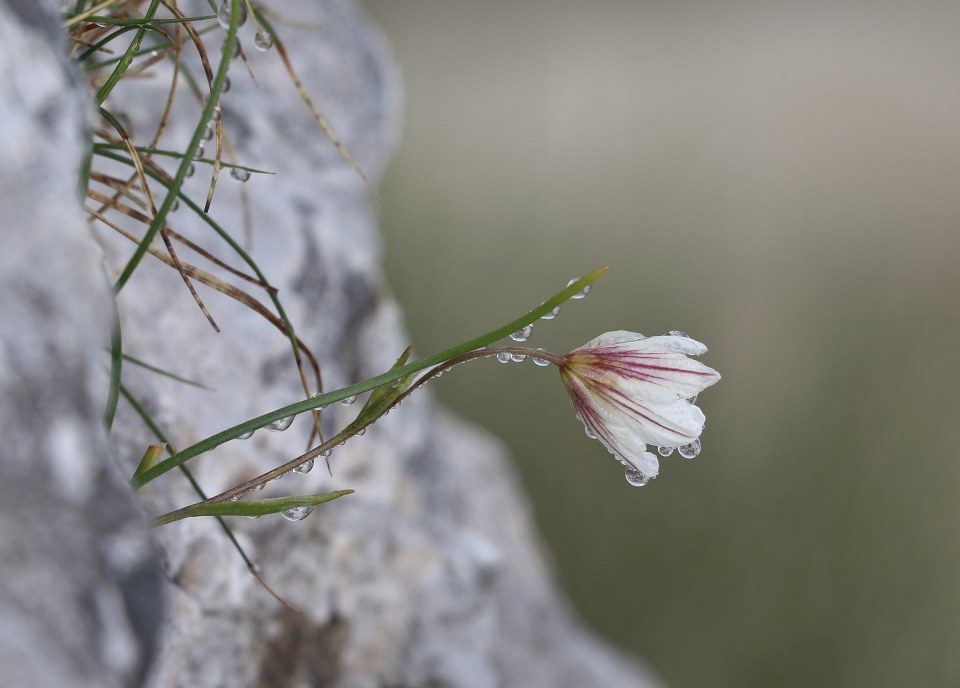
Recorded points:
(429, 575)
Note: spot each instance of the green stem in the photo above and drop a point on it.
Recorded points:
(322, 400)
(124, 63)
(211, 102)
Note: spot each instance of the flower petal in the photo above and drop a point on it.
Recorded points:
(611, 338)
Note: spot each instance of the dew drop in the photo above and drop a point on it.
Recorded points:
(208, 133)
(677, 333)
(635, 478)
(280, 425)
(589, 433)
(263, 40)
(582, 293)
(215, 115)
(361, 432)
(540, 361)
(551, 315)
(239, 174)
(175, 206)
(191, 170)
(236, 497)
(236, 50)
(348, 400)
(297, 513)
(326, 454)
(503, 357)
(197, 154)
(258, 488)
(518, 358)
(523, 334)
(226, 84)
(688, 451)
(693, 399)
(253, 516)
(304, 468)
(665, 451)
(223, 13)
(245, 436)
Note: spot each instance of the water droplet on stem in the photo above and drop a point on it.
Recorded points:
(281, 425)
(523, 334)
(304, 468)
(263, 40)
(297, 513)
(239, 174)
(223, 13)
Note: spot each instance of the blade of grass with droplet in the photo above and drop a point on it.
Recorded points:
(253, 507)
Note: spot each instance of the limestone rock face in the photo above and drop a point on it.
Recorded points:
(81, 590)
(429, 575)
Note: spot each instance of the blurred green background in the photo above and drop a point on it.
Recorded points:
(779, 180)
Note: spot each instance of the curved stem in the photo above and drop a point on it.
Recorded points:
(355, 427)
(450, 354)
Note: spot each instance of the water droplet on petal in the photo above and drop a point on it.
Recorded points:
(523, 334)
(348, 400)
(297, 513)
(245, 436)
(688, 451)
(281, 425)
(665, 451)
(677, 333)
(223, 13)
(635, 478)
(693, 399)
(258, 488)
(551, 314)
(503, 357)
(517, 358)
(304, 468)
(239, 174)
(540, 361)
(590, 433)
(263, 40)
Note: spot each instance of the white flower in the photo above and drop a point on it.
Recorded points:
(630, 391)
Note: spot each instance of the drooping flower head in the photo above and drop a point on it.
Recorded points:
(630, 391)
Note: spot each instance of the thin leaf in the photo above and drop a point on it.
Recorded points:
(254, 507)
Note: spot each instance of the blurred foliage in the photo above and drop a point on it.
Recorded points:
(777, 180)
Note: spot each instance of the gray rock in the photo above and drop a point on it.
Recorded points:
(81, 594)
(431, 574)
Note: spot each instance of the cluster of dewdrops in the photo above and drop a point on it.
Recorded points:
(297, 513)
(523, 334)
(262, 40)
